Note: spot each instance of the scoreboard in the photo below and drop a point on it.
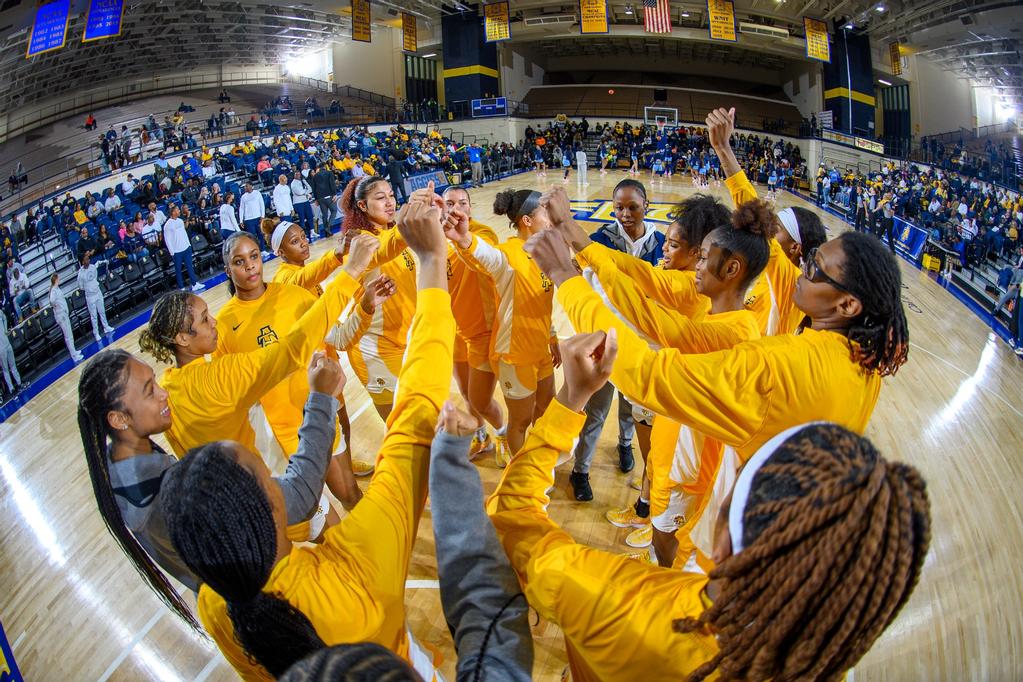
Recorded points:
(496, 106)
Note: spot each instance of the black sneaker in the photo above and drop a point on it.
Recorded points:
(581, 486)
(626, 460)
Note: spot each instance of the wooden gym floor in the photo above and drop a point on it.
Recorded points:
(74, 609)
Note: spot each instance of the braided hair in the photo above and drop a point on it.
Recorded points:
(171, 315)
(354, 218)
(220, 522)
(100, 391)
(835, 538)
(752, 224)
(880, 333)
(698, 216)
(362, 662)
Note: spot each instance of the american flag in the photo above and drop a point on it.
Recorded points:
(656, 16)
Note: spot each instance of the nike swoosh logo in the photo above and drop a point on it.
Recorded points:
(235, 328)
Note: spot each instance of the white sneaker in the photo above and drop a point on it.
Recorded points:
(77, 358)
(199, 287)
(108, 330)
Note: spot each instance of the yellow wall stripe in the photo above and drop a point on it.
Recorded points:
(470, 70)
(844, 94)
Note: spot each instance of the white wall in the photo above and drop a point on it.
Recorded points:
(377, 66)
(984, 104)
(940, 102)
(519, 72)
(805, 87)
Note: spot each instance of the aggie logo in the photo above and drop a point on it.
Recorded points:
(602, 211)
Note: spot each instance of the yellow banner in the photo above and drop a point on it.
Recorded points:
(817, 45)
(721, 20)
(895, 54)
(496, 23)
(408, 32)
(361, 21)
(593, 16)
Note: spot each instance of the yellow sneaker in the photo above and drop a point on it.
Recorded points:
(626, 518)
(641, 537)
(480, 446)
(362, 468)
(502, 451)
(644, 556)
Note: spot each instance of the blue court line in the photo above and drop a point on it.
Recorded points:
(947, 284)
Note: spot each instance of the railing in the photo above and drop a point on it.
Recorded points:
(314, 83)
(79, 104)
(371, 97)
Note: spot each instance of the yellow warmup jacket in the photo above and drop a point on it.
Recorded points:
(384, 339)
(473, 297)
(246, 326)
(352, 587)
(210, 400)
(310, 275)
(525, 299)
(743, 396)
(615, 612)
(673, 289)
(778, 280)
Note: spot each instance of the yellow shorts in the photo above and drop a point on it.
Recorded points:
(475, 352)
(520, 381)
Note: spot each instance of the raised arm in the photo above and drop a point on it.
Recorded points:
(671, 288)
(720, 126)
(478, 587)
(311, 274)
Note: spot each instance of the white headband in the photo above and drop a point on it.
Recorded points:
(788, 220)
(278, 235)
(741, 491)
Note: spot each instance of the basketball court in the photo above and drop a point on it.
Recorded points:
(74, 607)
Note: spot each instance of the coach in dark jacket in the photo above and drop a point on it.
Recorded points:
(324, 191)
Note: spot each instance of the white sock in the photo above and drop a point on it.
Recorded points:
(503, 431)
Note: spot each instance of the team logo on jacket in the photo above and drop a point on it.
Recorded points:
(267, 335)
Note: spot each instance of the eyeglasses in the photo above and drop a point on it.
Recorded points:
(813, 272)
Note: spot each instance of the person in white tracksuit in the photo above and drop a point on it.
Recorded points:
(7, 357)
(88, 281)
(60, 313)
(581, 165)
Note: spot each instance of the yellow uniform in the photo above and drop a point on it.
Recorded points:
(210, 401)
(742, 396)
(673, 289)
(473, 303)
(310, 275)
(615, 612)
(523, 328)
(246, 326)
(377, 355)
(352, 587)
(778, 280)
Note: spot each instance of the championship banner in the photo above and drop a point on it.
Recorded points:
(408, 32)
(496, 22)
(361, 30)
(817, 45)
(49, 30)
(721, 20)
(103, 20)
(593, 16)
(895, 54)
(910, 239)
(422, 181)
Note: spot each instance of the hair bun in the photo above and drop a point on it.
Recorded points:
(503, 201)
(756, 217)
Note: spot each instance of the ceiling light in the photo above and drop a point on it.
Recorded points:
(628, 9)
(879, 8)
(685, 14)
(850, 26)
(427, 56)
(882, 81)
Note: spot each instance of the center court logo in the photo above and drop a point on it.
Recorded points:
(602, 211)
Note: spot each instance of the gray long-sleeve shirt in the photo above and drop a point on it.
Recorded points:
(136, 484)
(476, 578)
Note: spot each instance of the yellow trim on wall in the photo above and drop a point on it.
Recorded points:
(844, 94)
(470, 70)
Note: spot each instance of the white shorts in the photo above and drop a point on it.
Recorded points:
(642, 415)
(676, 513)
(319, 518)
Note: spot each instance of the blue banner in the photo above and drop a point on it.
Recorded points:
(103, 19)
(49, 30)
(8, 668)
(440, 181)
(911, 239)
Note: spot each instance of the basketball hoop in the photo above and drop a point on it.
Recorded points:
(661, 123)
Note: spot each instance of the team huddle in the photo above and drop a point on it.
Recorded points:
(747, 352)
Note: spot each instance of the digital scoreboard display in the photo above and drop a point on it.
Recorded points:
(496, 106)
